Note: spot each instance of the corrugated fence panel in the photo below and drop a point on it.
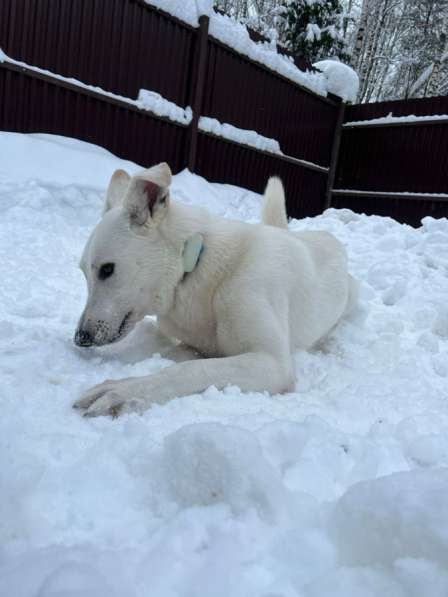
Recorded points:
(419, 107)
(250, 96)
(30, 104)
(394, 158)
(399, 158)
(223, 161)
(407, 211)
(118, 45)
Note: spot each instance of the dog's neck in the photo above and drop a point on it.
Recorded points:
(192, 252)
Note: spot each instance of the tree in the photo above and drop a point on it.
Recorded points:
(400, 49)
(313, 28)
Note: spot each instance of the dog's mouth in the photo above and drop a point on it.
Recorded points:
(124, 328)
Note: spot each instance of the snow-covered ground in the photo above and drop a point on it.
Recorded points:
(338, 489)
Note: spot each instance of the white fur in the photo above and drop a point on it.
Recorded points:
(257, 294)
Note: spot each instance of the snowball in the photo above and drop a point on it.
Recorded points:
(209, 463)
(342, 80)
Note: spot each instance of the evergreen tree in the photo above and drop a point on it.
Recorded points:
(314, 28)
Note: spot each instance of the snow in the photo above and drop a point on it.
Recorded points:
(188, 11)
(335, 489)
(313, 32)
(390, 119)
(154, 102)
(335, 77)
(235, 35)
(342, 80)
(244, 136)
(422, 79)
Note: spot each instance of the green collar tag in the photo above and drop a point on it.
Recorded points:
(193, 248)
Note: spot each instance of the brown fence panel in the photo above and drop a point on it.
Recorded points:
(224, 161)
(118, 45)
(394, 157)
(419, 107)
(250, 96)
(31, 103)
(398, 158)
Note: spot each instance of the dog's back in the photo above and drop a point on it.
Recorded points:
(318, 262)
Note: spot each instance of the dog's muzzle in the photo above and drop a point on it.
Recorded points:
(83, 338)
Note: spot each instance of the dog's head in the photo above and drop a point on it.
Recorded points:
(127, 260)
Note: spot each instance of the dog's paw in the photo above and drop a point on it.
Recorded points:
(111, 398)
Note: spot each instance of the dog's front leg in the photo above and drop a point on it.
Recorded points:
(250, 371)
(155, 341)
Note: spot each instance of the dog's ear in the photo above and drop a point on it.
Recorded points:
(147, 197)
(116, 190)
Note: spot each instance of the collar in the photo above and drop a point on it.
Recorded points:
(192, 251)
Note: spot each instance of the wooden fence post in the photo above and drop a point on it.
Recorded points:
(334, 155)
(198, 90)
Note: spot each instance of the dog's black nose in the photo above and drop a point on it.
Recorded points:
(83, 338)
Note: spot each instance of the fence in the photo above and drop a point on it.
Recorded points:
(394, 167)
(388, 168)
(122, 46)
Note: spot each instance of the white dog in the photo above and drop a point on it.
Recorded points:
(245, 296)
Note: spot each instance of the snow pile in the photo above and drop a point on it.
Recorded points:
(188, 11)
(235, 35)
(150, 100)
(342, 80)
(335, 489)
(244, 136)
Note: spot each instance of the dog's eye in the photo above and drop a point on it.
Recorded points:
(106, 270)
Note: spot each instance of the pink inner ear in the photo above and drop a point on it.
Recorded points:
(152, 192)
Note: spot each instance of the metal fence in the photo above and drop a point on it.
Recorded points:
(398, 169)
(122, 46)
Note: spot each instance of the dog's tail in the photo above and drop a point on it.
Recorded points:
(274, 210)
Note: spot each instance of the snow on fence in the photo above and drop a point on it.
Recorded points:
(393, 159)
(110, 52)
